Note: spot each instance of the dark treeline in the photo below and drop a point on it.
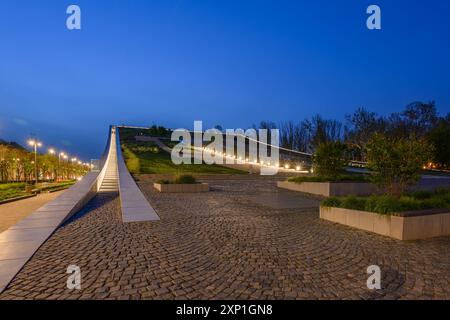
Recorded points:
(418, 119)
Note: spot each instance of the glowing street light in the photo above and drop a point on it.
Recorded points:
(60, 154)
(35, 144)
(52, 152)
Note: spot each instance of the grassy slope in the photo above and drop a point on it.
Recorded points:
(161, 163)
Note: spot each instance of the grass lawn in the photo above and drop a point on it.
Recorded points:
(17, 189)
(151, 160)
(12, 190)
(49, 186)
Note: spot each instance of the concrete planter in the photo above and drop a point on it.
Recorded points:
(328, 189)
(401, 226)
(181, 188)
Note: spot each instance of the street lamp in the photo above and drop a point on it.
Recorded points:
(52, 152)
(64, 156)
(60, 154)
(35, 144)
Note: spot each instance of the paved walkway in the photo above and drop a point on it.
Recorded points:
(236, 242)
(13, 212)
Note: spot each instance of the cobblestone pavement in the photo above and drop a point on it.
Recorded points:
(225, 245)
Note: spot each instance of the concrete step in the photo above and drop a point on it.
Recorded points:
(110, 180)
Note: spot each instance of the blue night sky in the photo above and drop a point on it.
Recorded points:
(228, 62)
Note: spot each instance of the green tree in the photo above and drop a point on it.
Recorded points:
(439, 137)
(28, 166)
(47, 164)
(396, 162)
(330, 159)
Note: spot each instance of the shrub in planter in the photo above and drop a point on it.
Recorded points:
(396, 163)
(331, 202)
(352, 202)
(422, 195)
(185, 179)
(330, 158)
(163, 181)
(383, 204)
(387, 204)
(180, 179)
(435, 202)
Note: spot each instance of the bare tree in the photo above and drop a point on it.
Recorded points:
(417, 119)
(287, 135)
(323, 131)
(360, 127)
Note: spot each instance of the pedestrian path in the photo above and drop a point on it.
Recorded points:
(13, 212)
(21, 240)
(19, 243)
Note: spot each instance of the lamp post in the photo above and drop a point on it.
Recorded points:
(65, 156)
(74, 161)
(61, 154)
(35, 144)
(52, 152)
